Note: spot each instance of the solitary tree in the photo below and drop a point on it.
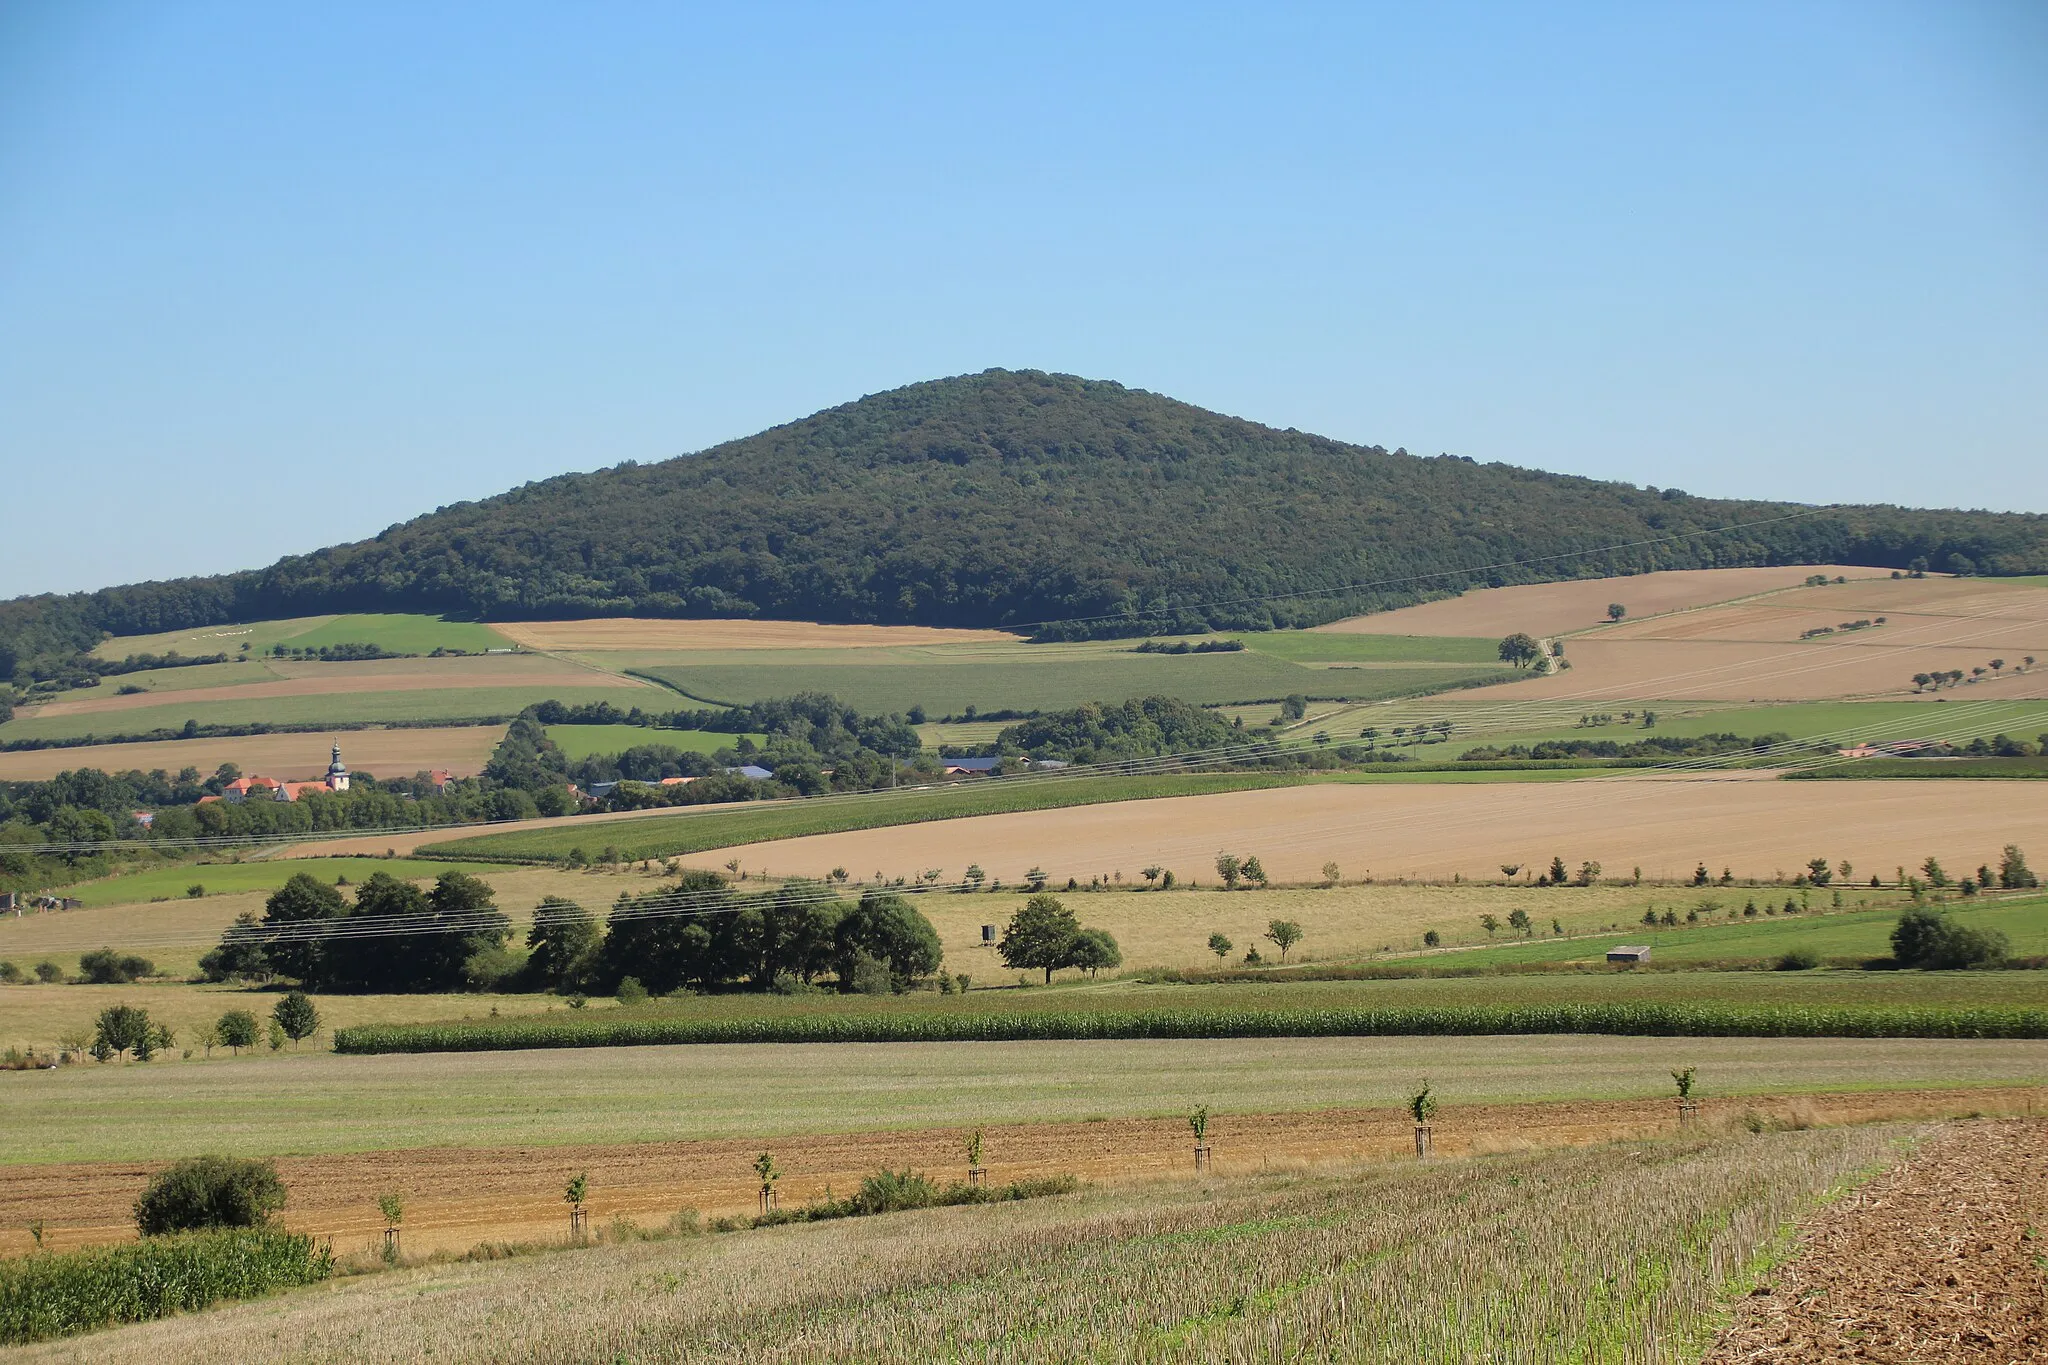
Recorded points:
(1520, 649)
(1489, 924)
(1615, 611)
(2013, 872)
(1228, 868)
(1284, 933)
(1253, 871)
(296, 1015)
(1093, 950)
(1330, 873)
(238, 1030)
(1041, 935)
(1557, 872)
(1508, 870)
(1220, 945)
(1518, 920)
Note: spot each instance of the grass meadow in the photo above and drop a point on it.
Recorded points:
(1327, 647)
(398, 632)
(368, 707)
(585, 741)
(313, 1101)
(1015, 677)
(1854, 934)
(1626, 1252)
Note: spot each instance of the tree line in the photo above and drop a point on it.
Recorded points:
(698, 933)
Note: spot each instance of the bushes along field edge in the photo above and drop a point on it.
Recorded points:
(45, 1296)
(1647, 1020)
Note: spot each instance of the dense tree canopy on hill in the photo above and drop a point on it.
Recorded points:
(1019, 498)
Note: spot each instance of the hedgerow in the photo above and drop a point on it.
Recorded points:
(1649, 1020)
(44, 1296)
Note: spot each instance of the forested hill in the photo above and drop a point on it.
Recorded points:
(1020, 497)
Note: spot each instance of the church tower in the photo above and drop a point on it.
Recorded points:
(337, 773)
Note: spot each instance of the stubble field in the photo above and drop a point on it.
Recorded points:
(1546, 609)
(1757, 826)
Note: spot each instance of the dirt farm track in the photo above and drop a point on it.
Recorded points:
(1752, 823)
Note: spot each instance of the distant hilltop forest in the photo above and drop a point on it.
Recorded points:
(1056, 505)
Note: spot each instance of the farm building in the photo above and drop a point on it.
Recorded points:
(971, 767)
(1629, 953)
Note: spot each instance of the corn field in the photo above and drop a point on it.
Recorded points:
(1624, 1254)
(45, 1296)
(970, 1024)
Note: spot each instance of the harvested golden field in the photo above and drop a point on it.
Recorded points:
(1618, 1252)
(462, 1195)
(1557, 608)
(1662, 823)
(461, 749)
(1937, 1261)
(627, 632)
(1753, 651)
(370, 675)
(1613, 671)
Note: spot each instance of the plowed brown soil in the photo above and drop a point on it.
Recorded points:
(1939, 1260)
(458, 1197)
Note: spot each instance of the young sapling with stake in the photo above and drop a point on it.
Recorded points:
(392, 1205)
(573, 1196)
(1199, 1121)
(1422, 1104)
(764, 1167)
(1687, 1108)
(974, 1168)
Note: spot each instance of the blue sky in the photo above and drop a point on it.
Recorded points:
(273, 277)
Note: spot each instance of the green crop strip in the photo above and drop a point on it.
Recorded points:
(1646, 1020)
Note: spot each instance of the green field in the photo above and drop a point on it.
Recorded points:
(322, 1102)
(1859, 935)
(1329, 647)
(231, 674)
(400, 633)
(2017, 768)
(1480, 722)
(230, 878)
(424, 704)
(586, 741)
(1013, 679)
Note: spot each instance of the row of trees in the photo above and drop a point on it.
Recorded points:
(697, 933)
(1953, 677)
(128, 1030)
